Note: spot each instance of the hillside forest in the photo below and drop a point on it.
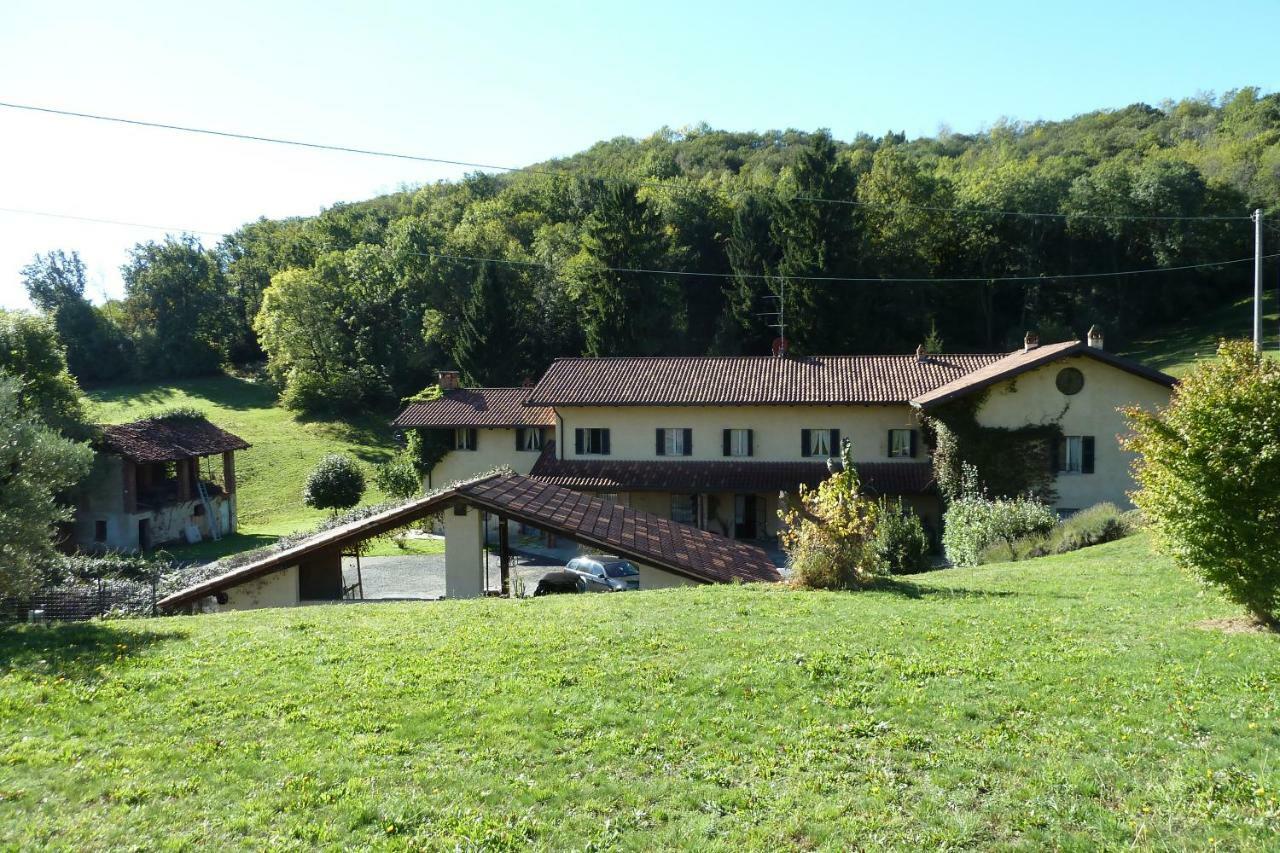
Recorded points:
(674, 244)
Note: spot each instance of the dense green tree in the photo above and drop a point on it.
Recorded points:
(176, 307)
(97, 350)
(38, 464)
(33, 357)
(336, 483)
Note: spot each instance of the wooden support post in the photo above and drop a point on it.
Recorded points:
(504, 556)
(184, 479)
(229, 472)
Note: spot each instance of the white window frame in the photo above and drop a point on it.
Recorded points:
(462, 438)
(673, 441)
(1073, 454)
(900, 435)
(820, 438)
(739, 442)
(532, 439)
(596, 448)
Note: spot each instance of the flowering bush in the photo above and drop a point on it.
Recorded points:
(829, 534)
(973, 522)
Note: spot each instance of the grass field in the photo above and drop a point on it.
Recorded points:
(269, 475)
(1176, 349)
(1070, 701)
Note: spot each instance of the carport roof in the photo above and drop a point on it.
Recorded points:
(640, 536)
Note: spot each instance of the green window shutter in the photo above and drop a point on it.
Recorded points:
(727, 438)
(660, 442)
(688, 442)
(914, 444)
(519, 438)
(604, 442)
(835, 442)
(578, 438)
(1057, 449)
(805, 442)
(889, 446)
(472, 436)
(1086, 454)
(751, 435)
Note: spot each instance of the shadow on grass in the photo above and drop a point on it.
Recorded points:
(229, 392)
(907, 589)
(72, 650)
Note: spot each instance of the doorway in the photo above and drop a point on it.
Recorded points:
(744, 517)
(144, 534)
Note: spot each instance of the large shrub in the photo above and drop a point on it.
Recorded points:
(398, 478)
(829, 535)
(335, 483)
(973, 522)
(1208, 471)
(900, 541)
(37, 464)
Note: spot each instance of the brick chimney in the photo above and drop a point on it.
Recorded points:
(1030, 341)
(779, 347)
(449, 380)
(1095, 336)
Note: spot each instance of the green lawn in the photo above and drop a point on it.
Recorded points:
(1064, 702)
(1176, 349)
(269, 476)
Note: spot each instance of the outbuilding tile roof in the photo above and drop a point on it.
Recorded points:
(619, 475)
(1023, 360)
(748, 380)
(168, 439)
(634, 535)
(476, 407)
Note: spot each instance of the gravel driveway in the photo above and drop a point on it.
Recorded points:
(421, 576)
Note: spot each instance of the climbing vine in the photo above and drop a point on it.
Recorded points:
(426, 447)
(1010, 461)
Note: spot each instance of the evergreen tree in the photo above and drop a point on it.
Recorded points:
(485, 346)
(623, 313)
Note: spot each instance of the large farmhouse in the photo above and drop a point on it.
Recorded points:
(712, 441)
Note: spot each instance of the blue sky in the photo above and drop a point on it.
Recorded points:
(514, 83)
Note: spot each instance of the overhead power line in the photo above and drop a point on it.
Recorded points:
(699, 274)
(533, 170)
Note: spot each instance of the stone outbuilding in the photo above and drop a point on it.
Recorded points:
(158, 480)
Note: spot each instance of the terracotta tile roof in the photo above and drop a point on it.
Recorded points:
(639, 536)
(1020, 361)
(476, 407)
(748, 380)
(168, 439)
(617, 475)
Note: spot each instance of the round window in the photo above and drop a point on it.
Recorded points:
(1070, 380)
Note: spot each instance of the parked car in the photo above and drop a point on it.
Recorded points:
(602, 573)
(559, 583)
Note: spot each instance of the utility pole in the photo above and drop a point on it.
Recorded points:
(780, 315)
(1257, 280)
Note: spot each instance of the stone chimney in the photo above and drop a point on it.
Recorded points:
(1030, 342)
(449, 380)
(920, 354)
(1095, 336)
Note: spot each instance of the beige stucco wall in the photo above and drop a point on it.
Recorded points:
(653, 578)
(494, 447)
(777, 429)
(278, 589)
(1034, 398)
(168, 523)
(463, 555)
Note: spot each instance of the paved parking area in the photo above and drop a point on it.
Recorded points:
(421, 576)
